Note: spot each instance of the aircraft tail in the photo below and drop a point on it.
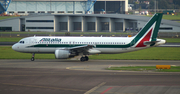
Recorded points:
(148, 34)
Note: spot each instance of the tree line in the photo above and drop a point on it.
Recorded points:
(160, 4)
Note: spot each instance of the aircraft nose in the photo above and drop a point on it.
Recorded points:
(14, 47)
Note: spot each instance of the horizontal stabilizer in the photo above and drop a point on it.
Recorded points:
(150, 42)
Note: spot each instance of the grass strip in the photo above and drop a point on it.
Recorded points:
(172, 40)
(8, 53)
(155, 53)
(169, 17)
(145, 68)
(10, 39)
(6, 17)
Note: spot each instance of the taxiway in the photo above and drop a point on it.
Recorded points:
(75, 77)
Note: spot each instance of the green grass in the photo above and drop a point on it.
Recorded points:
(145, 68)
(10, 39)
(8, 53)
(6, 17)
(132, 68)
(169, 17)
(155, 53)
(172, 40)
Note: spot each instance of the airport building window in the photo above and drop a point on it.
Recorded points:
(70, 12)
(111, 7)
(50, 11)
(132, 26)
(60, 11)
(118, 26)
(77, 25)
(91, 25)
(11, 11)
(39, 20)
(165, 28)
(30, 12)
(79, 12)
(5, 28)
(99, 6)
(21, 11)
(41, 11)
(39, 27)
(105, 26)
(63, 25)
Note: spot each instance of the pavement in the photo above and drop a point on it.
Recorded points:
(75, 77)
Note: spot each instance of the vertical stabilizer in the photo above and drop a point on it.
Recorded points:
(156, 30)
(149, 32)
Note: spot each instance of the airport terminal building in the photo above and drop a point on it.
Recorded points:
(76, 16)
(83, 23)
(24, 7)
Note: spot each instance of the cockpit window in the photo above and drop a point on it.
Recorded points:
(21, 42)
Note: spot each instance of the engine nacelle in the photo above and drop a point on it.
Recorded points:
(62, 54)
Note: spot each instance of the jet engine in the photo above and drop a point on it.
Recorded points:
(62, 54)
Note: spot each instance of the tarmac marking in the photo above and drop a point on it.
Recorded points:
(106, 90)
(16, 75)
(67, 67)
(34, 86)
(95, 88)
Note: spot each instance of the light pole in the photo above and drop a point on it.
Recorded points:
(155, 6)
(105, 6)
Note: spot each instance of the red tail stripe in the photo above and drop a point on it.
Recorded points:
(146, 38)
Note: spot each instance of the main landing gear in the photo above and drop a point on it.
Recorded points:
(32, 59)
(84, 58)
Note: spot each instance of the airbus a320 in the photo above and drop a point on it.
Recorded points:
(69, 47)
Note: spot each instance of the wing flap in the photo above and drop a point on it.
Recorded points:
(83, 49)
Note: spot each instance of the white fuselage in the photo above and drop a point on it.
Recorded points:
(105, 45)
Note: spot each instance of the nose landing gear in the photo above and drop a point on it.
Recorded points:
(32, 59)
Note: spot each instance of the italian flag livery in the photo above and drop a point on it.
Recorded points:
(149, 33)
(69, 47)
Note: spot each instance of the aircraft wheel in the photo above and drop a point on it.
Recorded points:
(83, 59)
(87, 58)
(32, 59)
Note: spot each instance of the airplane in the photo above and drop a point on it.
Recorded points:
(69, 47)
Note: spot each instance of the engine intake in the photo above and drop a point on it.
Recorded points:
(62, 54)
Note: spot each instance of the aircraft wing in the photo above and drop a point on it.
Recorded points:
(83, 49)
